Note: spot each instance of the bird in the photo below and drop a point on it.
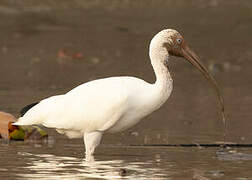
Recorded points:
(114, 104)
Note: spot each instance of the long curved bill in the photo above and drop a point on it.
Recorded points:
(194, 60)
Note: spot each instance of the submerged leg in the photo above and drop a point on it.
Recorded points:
(92, 140)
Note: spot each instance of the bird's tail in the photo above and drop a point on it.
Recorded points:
(22, 122)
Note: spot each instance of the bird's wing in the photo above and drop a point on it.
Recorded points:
(96, 105)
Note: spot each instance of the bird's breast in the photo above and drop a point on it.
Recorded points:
(126, 121)
(139, 106)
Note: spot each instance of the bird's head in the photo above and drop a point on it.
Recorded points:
(175, 45)
(171, 42)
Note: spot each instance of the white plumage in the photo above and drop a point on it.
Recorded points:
(95, 106)
(111, 104)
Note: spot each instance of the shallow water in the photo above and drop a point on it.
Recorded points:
(65, 161)
(113, 37)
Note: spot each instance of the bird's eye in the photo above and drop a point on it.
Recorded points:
(179, 40)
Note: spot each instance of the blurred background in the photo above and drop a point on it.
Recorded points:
(48, 47)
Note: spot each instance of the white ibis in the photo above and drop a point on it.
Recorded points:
(113, 104)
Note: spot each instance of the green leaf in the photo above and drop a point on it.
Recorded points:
(17, 134)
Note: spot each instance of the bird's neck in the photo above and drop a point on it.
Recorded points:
(163, 85)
